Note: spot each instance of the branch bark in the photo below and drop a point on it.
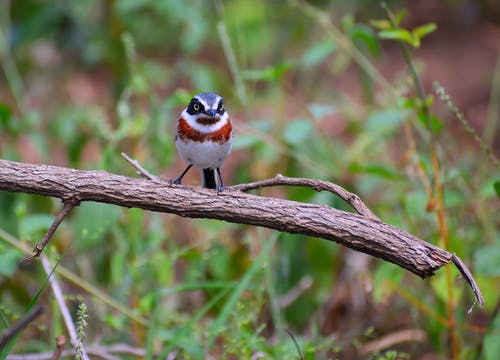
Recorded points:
(66, 209)
(19, 325)
(366, 234)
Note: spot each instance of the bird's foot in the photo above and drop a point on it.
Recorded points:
(175, 182)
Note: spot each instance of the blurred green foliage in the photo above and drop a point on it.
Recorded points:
(86, 80)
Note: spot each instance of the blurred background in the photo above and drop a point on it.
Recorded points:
(313, 91)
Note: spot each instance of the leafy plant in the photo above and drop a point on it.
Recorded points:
(87, 80)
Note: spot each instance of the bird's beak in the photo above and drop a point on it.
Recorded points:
(210, 112)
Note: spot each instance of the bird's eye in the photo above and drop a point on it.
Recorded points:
(221, 107)
(196, 107)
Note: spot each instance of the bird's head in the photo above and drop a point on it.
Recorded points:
(207, 108)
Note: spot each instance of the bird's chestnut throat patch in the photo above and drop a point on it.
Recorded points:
(207, 120)
(186, 132)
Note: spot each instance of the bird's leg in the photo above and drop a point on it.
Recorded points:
(178, 181)
(221, 182)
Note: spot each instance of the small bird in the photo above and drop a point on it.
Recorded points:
(203, 138)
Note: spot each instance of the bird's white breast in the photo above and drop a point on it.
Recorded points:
(203, 155)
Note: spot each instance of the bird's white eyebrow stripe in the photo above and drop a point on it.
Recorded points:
(205, 105)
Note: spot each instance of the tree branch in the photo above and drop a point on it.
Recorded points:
(318, 185)
(20, 325)
(366, 233)
(67, 207)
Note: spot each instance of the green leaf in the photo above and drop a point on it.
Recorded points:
(436, 124)
(319, 111)
(489, 189)
(385, 120)
(496, 187)
(5, 114)
(347, 22)
(318, 53)
(399, 16)
(381, 24)
(383, 171)
(398, 34)
(365, 35)
(421, 31)
(429, 100)
(296, 131)
(271, 73)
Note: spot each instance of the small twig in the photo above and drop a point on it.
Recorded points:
(60, 342)
(318, 185)
(438, 185)
(470, 279)
(390, 340)
(289, 298)
(446, 99)
(99, 351)
(301, 357)
(140, 170)
(67, 207)
(172, 355)
(56, 289)
(414, 74)
(19, 325)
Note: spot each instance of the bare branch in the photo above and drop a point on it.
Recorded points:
(318, 185)
(60, 342)
(291, 296)
(96, 350)
(390, 340)
(19, 325)
(140, 170)
(366, 233)
(67, 207)
(470, 279)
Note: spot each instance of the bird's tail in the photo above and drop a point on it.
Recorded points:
(208, 179)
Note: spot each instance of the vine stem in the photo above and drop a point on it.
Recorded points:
(438, 186)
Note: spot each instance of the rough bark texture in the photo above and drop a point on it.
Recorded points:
(362, 233)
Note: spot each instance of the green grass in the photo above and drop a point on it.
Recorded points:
(87, 80)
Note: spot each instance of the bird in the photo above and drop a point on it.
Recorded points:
(203, 138)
